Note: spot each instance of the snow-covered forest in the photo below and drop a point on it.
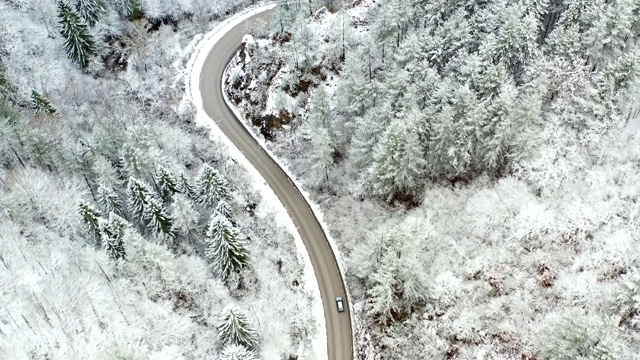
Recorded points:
(477, 162)
(125, 232)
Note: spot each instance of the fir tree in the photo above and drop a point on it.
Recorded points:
(223, 209)
(237, 352)
(167, 183)
(234, 328)
(79, 43)
(139, 195)
(109, 200)
(90, 10)
(212, 187)
(186, 188)
(398, 166)
(113, 233)
(225, 247)
(145, 206)
(41, 105)
(130, 9)
(157, 218)
(91, 219)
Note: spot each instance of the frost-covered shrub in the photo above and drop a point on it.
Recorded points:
(576, 335)
(627, 300)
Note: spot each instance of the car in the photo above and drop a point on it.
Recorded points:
(340, 303)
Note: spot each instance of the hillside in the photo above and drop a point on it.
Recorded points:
(125, 231)
(477, 163)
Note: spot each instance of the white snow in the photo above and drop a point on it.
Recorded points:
(193, 70)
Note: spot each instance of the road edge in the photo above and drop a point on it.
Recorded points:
(192, 72)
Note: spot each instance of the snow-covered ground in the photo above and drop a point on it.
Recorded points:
(194, 68)
(504, 264)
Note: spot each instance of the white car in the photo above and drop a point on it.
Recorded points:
(340, 303)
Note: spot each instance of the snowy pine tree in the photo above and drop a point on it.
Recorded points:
(323, 138)
(211, 186)
(90, 10)
(225, 247)
(167, 183)
(113, 232)
(109, 200)
(237, 352)
(78, 41)
(186, 188)
(139, 195)
(398, 165)
(91, 219)
(148, 209)
(130, 9)
(223, 209)
(234, 328)
(157, 218)
(41, 105)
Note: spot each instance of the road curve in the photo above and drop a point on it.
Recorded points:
(339, 332)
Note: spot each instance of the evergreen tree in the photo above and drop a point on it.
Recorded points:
(109, 200)
(79, 43)
(167, 183)
(157, 218)
(91, 219)
(223, 209)
(398, 164)
(186, 188)
(129, 9)
(40, 104)
(135, 160)
(145, 206)
(139, 195)
(225, 247)
(323, 138)
(322, 153)
(367, 133)
(237, 352)
(211, 186)
(234, 328)
(90, 10)
(113, 232)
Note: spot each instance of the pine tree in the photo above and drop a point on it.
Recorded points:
(138, 194)
(113, 232)
(212, 187)
(147, 208)
(234, 328)
(223, 209)
(91, 218)
(323, 138)
(157, 218)
(79, 43)
(109, 200)
(398, 165)
(186, 188)
(237, 352)
(225, 247)
(130, 9)
(90, 10)
(167, 183)
(40, 104)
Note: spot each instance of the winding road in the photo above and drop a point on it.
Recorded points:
(339, 332)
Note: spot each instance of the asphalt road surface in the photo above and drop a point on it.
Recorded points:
(324, 263)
